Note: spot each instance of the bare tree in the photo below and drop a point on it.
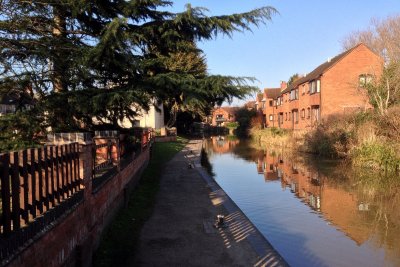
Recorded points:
(382, 36)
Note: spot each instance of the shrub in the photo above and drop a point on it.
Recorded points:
(232, 124)
(376, 155)
(333, 138)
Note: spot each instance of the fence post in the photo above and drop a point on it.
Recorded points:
(86, 167)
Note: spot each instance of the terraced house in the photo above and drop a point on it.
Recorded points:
(223, 115)
(334, 87)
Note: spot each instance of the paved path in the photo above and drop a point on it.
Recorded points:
(181, 230)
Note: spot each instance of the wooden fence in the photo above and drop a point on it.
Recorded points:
(39, 185)
(110, 153)
(33, 183)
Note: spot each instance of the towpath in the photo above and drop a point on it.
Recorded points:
(181, 231)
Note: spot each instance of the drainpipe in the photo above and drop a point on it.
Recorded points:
(320, 98)
(273, 114)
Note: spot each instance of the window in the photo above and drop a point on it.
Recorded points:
(304, 88)
(315, 86)
(271, 117)
(294, 94)
(315, 114)
(279, 101)
(290, 114)
(308, 113)
(296, 116)
(4, 109)
(285, 116)
(271, 103)
(364, 79)
(303, 113)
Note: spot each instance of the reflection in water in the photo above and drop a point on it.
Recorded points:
(361, 205)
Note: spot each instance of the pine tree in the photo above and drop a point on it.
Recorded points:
(87, 62)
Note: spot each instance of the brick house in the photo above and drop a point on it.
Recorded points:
(222, 115)
(11, 102)
(334, 87)
(269, 98)
(250, 105)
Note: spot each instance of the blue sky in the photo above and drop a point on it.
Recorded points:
(302, 36)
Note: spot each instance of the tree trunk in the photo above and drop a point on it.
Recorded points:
(59, 58)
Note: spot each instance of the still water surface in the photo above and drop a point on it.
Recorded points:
(314, 213)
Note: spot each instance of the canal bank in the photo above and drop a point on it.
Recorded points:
(181, 231)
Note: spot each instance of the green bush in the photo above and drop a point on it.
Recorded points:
(277, 131)
(232, 124)
(378, 156)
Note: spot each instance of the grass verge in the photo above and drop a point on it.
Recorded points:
(120, 240)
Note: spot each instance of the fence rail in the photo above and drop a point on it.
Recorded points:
(33, 181)
(40, 185)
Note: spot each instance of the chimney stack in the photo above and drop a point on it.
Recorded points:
(283, 85)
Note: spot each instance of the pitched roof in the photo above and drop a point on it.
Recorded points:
(260, 96)
(250, 104)
(230, 110)
(317, 72)
(272, 92)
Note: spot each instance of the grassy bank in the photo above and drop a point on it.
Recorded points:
(276, 138)
(367, 139)
(120, 239)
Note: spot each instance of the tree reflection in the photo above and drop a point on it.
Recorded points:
(362, 204)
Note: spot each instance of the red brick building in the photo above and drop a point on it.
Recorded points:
(334, 87)
(222, 115)
(269, 99)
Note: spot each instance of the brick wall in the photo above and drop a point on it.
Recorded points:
(343, 92)
(71, 240)
(340, 91)
(228, 114)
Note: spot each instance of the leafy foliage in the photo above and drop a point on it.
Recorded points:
(91, 63)
(244, 118)
(293, 78)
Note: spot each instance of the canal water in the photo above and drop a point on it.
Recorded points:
(315, 213)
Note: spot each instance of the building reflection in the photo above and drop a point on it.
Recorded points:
(341, 208)
(223, 144)
(356, 202)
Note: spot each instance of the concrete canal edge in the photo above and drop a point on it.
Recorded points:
(235, 218)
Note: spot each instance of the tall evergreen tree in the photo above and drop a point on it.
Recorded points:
(87, 62)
